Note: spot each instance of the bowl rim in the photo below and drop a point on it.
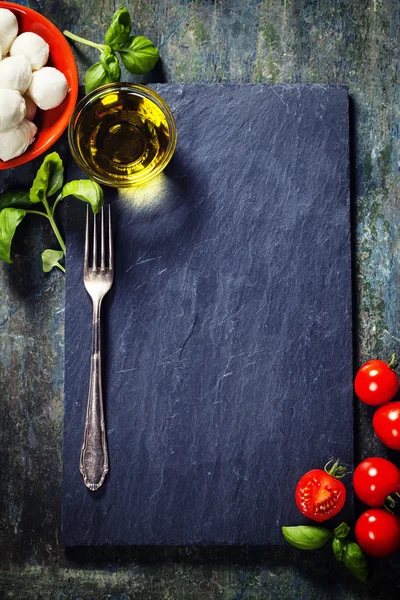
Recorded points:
(63, 121)
(142, 91)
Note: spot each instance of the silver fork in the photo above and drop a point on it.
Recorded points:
(98, 280)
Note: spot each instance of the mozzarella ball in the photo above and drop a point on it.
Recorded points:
(48, 88)
(14, 142)
(8, 29)
(12, 109)
(15, 73)
(33, 47)
(31, 108)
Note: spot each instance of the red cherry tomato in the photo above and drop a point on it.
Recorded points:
(374, 479)
(386, 424)
(319, 495)
(378, 532)
(376, 383)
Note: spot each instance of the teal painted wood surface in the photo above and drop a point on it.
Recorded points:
(320, 41)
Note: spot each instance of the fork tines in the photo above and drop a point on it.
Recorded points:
(104, 244)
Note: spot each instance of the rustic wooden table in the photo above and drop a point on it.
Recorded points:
(352, 42)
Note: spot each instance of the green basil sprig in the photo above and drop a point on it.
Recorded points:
(48, 181)
(10, 218)
(342, 531)
(51, 259)
(138, 54)
(307, 537)
(354, 559)
(120, 27)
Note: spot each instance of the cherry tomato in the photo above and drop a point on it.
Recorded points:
(319, 495)
(386, 424)
(374, 479)
(376, 383)
(378, 532)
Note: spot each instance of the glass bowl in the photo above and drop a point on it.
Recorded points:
(122, 134)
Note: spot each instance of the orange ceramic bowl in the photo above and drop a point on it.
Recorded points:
(50, 123)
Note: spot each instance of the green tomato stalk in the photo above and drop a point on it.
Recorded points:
(337, 470)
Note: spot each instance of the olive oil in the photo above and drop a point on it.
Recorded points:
(123, 137)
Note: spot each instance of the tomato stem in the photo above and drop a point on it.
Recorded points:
(393, 361)
(391, 503)
(336, 471)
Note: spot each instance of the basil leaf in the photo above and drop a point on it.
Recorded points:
(85, 190)
(355, 560)
(10, 218)
(338, 547)
(50, 259)
(307, 537)
(111, 65)
(139, 55)
(96, 75)
(341, 531)
(15, 199)
(120, 27)
(49, 178)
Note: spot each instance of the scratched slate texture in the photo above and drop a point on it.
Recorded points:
(230, 280)
(353, 43)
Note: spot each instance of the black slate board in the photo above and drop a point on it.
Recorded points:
(227, 335)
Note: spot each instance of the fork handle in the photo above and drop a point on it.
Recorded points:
(94, 456)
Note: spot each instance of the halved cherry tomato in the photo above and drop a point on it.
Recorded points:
(375, 479)
(378, 532)
(319, 495)
(386, 424)
(376, 383)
